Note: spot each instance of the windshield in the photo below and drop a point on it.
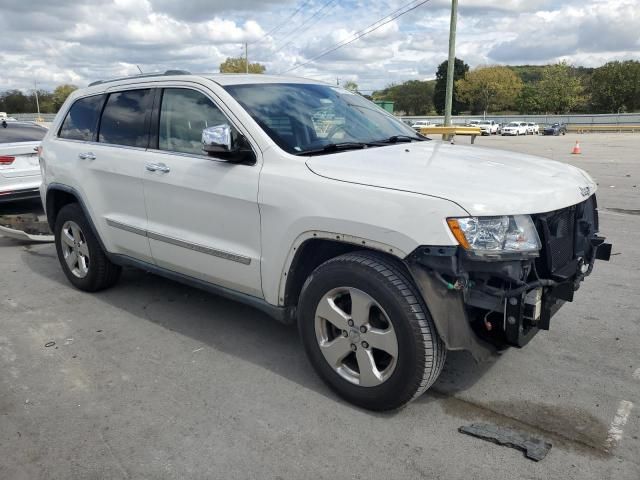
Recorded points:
(484, 123)
(308, 118)
(513, 124)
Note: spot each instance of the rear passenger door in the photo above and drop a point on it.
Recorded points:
(203, 210)
(107, 138)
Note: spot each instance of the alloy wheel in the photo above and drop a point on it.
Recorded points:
(356, 337)
(75, 249)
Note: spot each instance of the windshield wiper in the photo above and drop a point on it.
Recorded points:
(336, 147)
(401, 138)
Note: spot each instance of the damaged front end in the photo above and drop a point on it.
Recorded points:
(490, 301)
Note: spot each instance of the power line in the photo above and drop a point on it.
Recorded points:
(303, 24)
(364, 32)
(283, 23)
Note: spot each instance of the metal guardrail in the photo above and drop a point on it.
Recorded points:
(450, 132)
(33, 117)
(603, 128)
(569, 119)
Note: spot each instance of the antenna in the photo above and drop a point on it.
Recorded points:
(140, 69)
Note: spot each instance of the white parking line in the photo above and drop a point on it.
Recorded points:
(636, 374)
(616, 429)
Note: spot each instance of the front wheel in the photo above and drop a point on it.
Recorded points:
(367, 331)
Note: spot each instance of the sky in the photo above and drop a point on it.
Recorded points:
(79, 41)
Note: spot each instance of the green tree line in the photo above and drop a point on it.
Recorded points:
(528, 89)
(559, 88)
(15, 101)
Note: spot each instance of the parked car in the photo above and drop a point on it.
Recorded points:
(304, 201)
(555, 129)
(533, 128)
(515, 128)
(418, 124)
(19, 169)
(488, 127)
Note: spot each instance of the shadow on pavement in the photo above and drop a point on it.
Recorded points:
(231, 327)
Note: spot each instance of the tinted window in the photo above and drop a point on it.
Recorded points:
(183, 116)
(82, 119)
(123, 119)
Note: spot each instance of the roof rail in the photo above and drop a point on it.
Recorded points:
(142, 75)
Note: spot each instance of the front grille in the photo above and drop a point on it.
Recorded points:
(565, 235)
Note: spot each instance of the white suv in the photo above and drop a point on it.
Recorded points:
(515, 128)
(309, 203)
(488, 127)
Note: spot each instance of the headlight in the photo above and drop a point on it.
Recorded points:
(496, 235)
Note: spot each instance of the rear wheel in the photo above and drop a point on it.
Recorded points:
(79, 252)
(367, 331)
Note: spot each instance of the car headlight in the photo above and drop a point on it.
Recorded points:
(489, 236)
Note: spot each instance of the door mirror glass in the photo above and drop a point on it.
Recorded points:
(217, 139)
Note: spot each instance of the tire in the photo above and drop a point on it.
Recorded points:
(397, 308)
(92, 270)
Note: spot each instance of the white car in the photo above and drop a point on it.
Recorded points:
(301, 199)
(515, 128)
(19, 169)
(488, 127)
(4, 119)
(533, 128)
(418, 124)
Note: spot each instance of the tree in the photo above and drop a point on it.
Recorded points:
(615, 87)
(351, 86)
(529, 100)
(239, 65)
(14, 101)
(489, 88)
(61, 93)
(459, 70)
(413, 97)
(560, 89)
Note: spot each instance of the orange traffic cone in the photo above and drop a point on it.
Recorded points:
(576, 149)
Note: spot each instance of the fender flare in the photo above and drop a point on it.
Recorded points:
(336, 237)
(73, 192)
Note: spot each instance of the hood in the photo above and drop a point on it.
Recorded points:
(482, 181)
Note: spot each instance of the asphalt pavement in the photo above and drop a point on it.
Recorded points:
(155, 380)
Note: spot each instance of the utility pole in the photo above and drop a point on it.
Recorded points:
(451, 63)
(35, 84)
(246, 56)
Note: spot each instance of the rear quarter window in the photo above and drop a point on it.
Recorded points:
(82, 119)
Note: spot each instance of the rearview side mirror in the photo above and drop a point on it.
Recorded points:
(227, 144)
(217, 139)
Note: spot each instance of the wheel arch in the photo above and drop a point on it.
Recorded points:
(313, 248)
(57, 197)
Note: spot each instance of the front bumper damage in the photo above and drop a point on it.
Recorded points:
(485, 304)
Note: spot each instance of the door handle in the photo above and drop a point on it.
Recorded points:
(86, 156)
(157, 167)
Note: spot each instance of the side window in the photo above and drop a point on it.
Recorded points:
(82, 119)
(123, 121)
(183, 115)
